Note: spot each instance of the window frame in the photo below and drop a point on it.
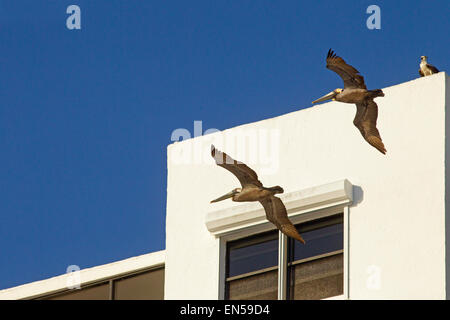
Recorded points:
(303, 206)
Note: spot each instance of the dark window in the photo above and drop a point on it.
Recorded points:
(316, 270)
(317, 279)
(93, 292)
(252, 268)
(143, 286)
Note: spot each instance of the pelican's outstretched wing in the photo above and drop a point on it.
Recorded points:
(366, 121)
(277, 214)
(240, 170)
(351, 76)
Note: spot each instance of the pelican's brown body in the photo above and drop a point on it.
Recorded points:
(253, 190)
(355, 91)
(251, 193)
(356, 95)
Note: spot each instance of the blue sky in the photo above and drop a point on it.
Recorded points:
(86, 115)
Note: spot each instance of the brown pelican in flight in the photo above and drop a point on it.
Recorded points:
(253, 190)
(425, 68)
(355, 91)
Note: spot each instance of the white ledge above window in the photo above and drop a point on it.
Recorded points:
(301, 206)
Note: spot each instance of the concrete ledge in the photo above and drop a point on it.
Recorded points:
(297, 203)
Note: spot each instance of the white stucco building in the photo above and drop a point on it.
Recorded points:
(375, 225)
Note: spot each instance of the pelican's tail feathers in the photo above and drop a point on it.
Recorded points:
(291, 231)
(276, 189)
(376, 93)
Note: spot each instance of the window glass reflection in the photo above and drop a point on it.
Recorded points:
(321, 236)
(252, 254)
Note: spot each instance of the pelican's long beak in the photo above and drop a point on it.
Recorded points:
(328, 96)
(225, 196)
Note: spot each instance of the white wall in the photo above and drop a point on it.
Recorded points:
(397, 223)
(447, 187)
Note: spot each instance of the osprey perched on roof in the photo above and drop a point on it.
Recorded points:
(425, 68)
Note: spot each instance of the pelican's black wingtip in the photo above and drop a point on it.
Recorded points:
(331, 54)
(213, 150)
